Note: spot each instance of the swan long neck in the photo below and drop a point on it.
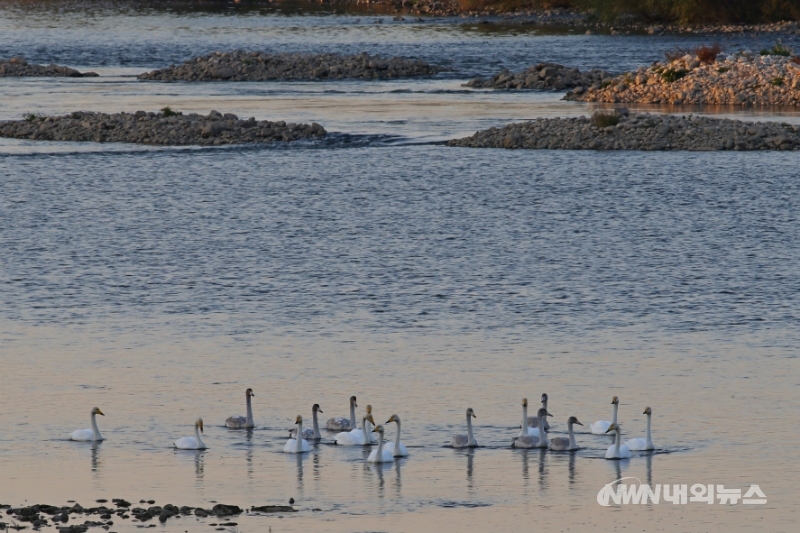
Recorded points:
(542, 436)
(525, 430)
(618, 442)
(352, 416)
(649, 438)
(364, 430)
(469, 430)
(317, 434)
(380, 447)
(397, 438)
(614, 418)
(249, 422)
(197, 436)
(298, 441)
(95, 430)
(572, 443)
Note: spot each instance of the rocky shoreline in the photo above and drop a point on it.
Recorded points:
(261, 66)
(542, 76)
(18, 66)
(167, 128)
(619, 130)
(744, 79)
(42, 515)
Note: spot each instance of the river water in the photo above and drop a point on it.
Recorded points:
(159, 284)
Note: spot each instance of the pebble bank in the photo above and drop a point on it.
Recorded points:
(261, 66)
(542, 76)
(743, 79)
(637, 132)
(18, 66)
(166, 128)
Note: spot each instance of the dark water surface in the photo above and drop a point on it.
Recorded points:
(158, 284)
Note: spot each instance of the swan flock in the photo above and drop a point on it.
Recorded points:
(532, 434)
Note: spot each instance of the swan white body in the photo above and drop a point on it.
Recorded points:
(640, 444)
(617, 450)
(309, 433)
(396, 448)
(356, 437)
(566, 444)
(601, 426)
(242, 422)
(297, 445)
(192, 443)
(468, 440)
(533, 438)
(344, 424)
(380, 455)
(91, 434)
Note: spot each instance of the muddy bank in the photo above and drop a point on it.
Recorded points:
(542, 76)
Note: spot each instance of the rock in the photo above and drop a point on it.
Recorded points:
(225, 510)
(18, 66)
(201, 512)
(274, 509)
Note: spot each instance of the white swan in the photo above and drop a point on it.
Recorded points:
(92, 434)
(565, 444)
(297, 445)
(601, 426)
(241, 422)
(396, 448)
(356, 437)
(380, 455)
(308, 433)
(617, 450)
(640, 444)
(468, 440)
(192, 443)
(341, 423)
(533, 421)
(533, 439)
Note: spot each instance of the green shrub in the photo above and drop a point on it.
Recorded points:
(723, 70)
(777, 50)
(167, 112)
(671, 75)
(603, 119)
(30, 117)
(777, 82)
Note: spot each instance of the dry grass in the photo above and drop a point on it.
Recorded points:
(705, 53)
(603, 119)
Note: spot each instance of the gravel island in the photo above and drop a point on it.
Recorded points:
(261, 66)
(622, 131)
(744, 79)
(542, 76)
(18, 66)
(165, 128)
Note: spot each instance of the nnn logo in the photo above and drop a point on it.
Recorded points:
(621, 493)
(618, 493)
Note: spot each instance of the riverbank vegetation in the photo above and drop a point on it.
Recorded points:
(658, 11)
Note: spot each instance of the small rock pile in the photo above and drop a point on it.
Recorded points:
(166, 128)
(18, 66)
(542, 76)
(37, 515)
(260, 66)
(743, 79)
(637, 132)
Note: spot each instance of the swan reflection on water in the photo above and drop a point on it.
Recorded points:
(378, 468)
(96, 454)
(199, 465)
(248, 455)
